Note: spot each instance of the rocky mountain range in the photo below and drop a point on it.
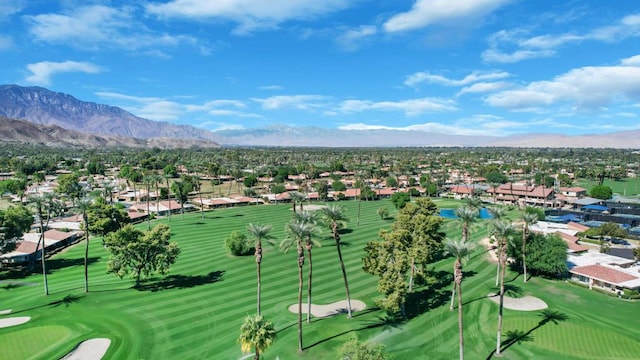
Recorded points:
(62, 119)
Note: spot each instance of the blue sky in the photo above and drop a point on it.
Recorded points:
(467, 67)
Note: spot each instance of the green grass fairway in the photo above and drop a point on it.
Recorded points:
(195, 312)
(628, 187)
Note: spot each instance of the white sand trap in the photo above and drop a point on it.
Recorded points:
(313, 207)
(5, 312)
(338, 307)
(14, 321)
(92, 349)
(525, 303)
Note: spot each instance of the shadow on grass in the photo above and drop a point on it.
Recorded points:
(510, 290)
(436, 293)
(520, 336)
(57, 264)
(198, 223)
(21, 272)
(384, 322)
(181, 281)
(66, 301)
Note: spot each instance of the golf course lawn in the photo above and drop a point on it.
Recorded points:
(195, 311)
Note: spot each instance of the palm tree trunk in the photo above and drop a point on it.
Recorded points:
(43, 261)
(453, 291)
(86, 254)
(524, 255)
(460, 319)
(359, 201)
(257, 356)
(309, 286)
(169, 198)
(258, 262)
(336, 237)
(499, 333)
(300, 285)
(148, 211)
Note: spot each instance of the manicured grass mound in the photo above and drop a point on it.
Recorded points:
(196, 311)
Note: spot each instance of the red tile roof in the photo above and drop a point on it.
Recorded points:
(603, 273)
(572, 242)
(27, 247)
(57, 235)
(575, 226)
(522, 190)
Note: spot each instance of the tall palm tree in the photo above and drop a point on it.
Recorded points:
(257, 333)
(166, 179)
(466, 216)
(148, 181)
(497, 213)
(83, 204)
(309, 218)
(157, 179)
(259, 233)
(297, 198)
(335, 219)
(38, 203)
(528, 219)
(180, 191)
(503, 232)
(198, 188)
(460, 249)
(297, 232)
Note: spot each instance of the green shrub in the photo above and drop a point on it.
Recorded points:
(237, 244)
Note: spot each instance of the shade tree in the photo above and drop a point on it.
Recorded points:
(140, 254)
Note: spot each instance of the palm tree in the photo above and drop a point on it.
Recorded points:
(257, 333)
(466, 216)
(180, 191)
(503, 230)
(38, 202)
(148, 181)
(83, 204)
(297, 198)
(528, 219)
(309, 242)
(198, 188)
(335, 219)
(460, 249)
(259, 233)
(157, 179)
(297, 232)
(166, 178)
(497, 213)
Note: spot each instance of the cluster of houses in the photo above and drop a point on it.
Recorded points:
(615, 272)
(586, 264)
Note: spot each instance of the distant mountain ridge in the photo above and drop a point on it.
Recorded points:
(24, 132)
(42, 106)
(112, 124)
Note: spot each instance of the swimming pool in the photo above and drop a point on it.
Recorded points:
(451, 213)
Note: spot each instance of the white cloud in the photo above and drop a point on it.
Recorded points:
(425, 76)
(522, 47)
(42, 72)
(300, 102)
(10, 7)
(427, 12)
(250, 15)
(353, 39)
(411, 107)
(161, 109)
(483, 87)
(96, 25)
(585, 88)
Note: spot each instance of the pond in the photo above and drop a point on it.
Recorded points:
(450, 213)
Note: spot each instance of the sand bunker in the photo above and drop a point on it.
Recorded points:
(5, 312)
(92, 349)
(525, 303)
(321, 311)
(313, 207)
(13, 321)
